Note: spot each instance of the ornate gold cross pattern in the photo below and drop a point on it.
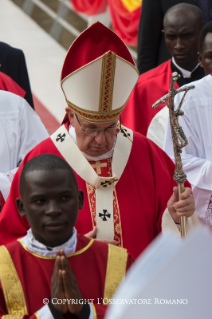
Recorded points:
(104, 215)
(98, 166)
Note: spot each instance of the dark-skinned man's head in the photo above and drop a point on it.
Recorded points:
(182, 26)
(49, 199)
(205, 48)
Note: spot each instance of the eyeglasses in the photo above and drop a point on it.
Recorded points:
(95, 131)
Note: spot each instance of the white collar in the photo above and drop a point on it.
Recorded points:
(109, 154)
(185, 73)
(36, 247)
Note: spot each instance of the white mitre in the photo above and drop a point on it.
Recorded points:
(98, 75)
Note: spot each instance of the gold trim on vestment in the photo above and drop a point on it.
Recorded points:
(12, 287)
(94, 311)
(92, 202)
(117, 221)
(107, 82)
(54, 257)
(116, 269)
(36, 315)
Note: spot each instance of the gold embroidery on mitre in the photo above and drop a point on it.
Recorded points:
(107, 82)
(93, 116)
(116, 269)
(11, 285)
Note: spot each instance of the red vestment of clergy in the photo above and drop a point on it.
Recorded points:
(141, 196)
(151, 86)
(8, 84)
(26, 276)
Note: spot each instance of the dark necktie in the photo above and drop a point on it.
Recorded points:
(205, 7)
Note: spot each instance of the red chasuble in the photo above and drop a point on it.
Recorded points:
(26, 276)
(140, 197)
(8, 84)
(151, 86)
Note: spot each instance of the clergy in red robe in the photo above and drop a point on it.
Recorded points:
(182, 26)
(51, 271)
(127, 180)
(8, 84)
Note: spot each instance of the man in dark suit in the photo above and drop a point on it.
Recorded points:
(12, 63)
(152, 50)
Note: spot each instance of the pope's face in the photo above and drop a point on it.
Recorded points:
(93, 145)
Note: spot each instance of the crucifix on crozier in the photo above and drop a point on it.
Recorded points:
(178, 136)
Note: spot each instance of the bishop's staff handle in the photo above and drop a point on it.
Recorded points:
(178, 137)
(182, 218)
(179, 175)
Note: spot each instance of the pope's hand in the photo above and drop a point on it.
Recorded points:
(92, 234)
(185, 206)
(57, 290)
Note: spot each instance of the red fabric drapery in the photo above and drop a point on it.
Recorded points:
(125, 23)
(89, 7)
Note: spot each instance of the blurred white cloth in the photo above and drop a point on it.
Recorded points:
(156, 130)
(20, 130)
(197, 155)
(165, 281)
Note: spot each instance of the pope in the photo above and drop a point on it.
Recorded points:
(127, 180)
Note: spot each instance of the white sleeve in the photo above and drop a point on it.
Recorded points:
(29, 132)
(196, 168)
(91, 312)
(157, 126)
(32, 131)
(45, 313)
(5, 182)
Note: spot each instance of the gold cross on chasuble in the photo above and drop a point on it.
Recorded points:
(98, 166)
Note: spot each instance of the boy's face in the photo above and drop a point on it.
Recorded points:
(50, 201)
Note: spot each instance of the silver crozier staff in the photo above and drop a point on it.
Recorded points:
(178, 137)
